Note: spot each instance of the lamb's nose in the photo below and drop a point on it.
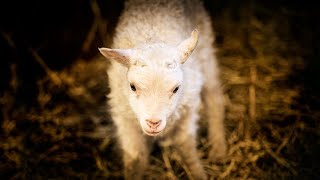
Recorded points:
(153, 123)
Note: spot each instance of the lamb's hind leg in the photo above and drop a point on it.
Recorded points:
(215, 114)
(135, 151)
(212, 96)
(214, 109)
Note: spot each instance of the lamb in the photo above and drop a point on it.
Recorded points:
(159, 77)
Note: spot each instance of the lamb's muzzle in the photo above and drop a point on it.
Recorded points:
(153, 127)
(153, 123)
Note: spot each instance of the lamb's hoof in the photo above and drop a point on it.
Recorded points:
(199, 175)
(202, 177)
(218, 152)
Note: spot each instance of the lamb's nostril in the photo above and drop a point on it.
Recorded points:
(153, 123)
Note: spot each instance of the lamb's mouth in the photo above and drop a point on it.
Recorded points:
(152, 133)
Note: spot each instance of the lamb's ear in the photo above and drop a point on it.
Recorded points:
(187, 46)
(122, 56)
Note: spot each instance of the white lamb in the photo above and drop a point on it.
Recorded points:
(156, 82)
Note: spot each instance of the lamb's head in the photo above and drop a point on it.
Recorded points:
(154, 80)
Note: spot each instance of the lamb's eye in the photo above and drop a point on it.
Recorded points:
(133, 88)
(176, 89)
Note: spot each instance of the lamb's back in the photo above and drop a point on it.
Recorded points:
(142, 21)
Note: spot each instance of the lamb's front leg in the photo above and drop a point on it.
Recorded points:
(135, 150)
(185, 144)
(188, 152)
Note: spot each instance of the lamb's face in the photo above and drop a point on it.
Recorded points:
(155, 85)
(155, 80)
